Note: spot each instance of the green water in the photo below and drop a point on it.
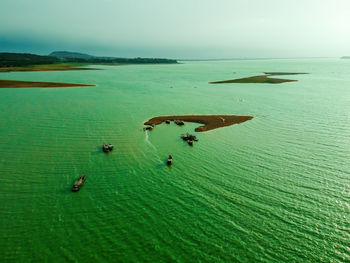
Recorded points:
(273, 189)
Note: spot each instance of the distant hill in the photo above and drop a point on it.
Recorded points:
(346, 57)
(23, 59)
(67, 54)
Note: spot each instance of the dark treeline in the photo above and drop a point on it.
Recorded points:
(120, 60)
(22, 59)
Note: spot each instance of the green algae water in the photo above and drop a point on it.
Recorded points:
(272, 189)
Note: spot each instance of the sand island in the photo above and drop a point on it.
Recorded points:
(210, 122)
(261, 79)
(37, 84)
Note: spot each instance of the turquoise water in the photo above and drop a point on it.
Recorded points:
(273, 189)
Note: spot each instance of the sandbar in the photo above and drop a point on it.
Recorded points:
(210, 122)
(37, 84)
(261, 79)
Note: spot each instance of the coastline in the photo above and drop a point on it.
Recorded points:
(48, 67)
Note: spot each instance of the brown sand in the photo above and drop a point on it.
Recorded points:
(35, 84)
(283, 73)
(49, 67)
(210, 121)
(261, 79)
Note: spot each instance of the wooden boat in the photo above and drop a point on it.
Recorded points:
(178, 122)
(189, 137)
(185, 137)
(192, 137)
(79, 183)
(105, 148)
(170, 160)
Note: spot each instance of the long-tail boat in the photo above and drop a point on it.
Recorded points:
(79, 183)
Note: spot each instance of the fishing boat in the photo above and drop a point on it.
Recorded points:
(193, 137)
(105, 148)
(148, 128)
(79, 183)
(190, 142)
(170, 160)
(189, 137)
(110, 147)
(178, 122)
(185, 137)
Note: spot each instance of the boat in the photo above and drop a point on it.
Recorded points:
(189, 137)
(185, 136)
(178, 122)
(105, 148)
(110, 147)
(190, 142)
(79, 183)
(193, 137)
(167, 121)
(170, 160)
(148, 128)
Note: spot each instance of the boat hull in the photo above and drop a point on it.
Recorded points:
(79, 183)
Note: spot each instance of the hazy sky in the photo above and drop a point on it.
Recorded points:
(178, 28)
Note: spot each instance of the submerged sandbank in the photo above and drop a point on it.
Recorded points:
(37, 84)
(210, 121)
(261, 79)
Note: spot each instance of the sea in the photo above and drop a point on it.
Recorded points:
(272, 189)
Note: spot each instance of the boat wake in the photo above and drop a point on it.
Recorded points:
(152, 146)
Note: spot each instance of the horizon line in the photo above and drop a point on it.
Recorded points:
(192, 59)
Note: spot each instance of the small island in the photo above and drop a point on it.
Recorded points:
(37, 84)
(210, 122)
(261, 79)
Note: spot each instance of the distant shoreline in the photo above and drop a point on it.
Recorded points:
(66, 67)
(38, 84)
(210, 122)
(48, 67)
(64, 60)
